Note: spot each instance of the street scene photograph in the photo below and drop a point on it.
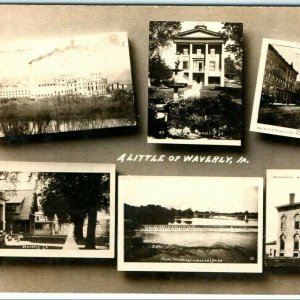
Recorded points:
(195, 83)
(282, 219)
(56, 214)
(64, 84)
(190, 224)
(277, 100)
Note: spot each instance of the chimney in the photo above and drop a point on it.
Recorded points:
(200, 27)
(292, 198)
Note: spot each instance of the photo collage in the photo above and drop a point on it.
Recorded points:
(195, 98)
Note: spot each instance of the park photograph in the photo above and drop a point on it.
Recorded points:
(57, 213)
(195, 83)
(65, 84)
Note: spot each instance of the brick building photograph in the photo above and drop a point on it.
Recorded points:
(276, 107)
(282, 218)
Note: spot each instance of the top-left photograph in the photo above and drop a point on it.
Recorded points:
(65, 84)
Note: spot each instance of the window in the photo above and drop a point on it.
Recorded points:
(297, 221)
(212, 65)
(283, 223)
(295, 254)
(39, 226)
(11, 208)
(282, 242)
(185, 65)
(296, 242)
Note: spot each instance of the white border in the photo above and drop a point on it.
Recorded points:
(67, 168)
(192, 267)
(265, 128)
(151, 140)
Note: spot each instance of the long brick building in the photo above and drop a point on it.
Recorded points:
(279, 83)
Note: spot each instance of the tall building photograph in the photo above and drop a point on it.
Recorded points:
(195, 83)
(66, 83)
(276, 107)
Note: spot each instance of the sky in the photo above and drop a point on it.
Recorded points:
(23, 182)
(279, 186)
(107, 53)
(291, 55)
(197, 193)
(168, 52)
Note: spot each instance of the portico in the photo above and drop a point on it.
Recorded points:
(201, 55)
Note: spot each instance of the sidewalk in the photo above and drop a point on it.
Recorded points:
(70, 243)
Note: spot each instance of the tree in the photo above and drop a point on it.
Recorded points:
(231, 71)
(73, 197)
(161, 34)
(158, 69)
(233, 36)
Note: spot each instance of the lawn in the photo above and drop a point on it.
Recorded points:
(282, 116)
(66, 113)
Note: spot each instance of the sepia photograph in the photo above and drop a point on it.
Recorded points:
(61, 210)
(276, 108)
(195, 83)
(190, 224)
(282, 218)
(63, 84)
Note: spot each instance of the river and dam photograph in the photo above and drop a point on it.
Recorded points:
(190, 223)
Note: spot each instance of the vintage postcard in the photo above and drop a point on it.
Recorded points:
(190, 224)
(64, 84)
(195, 83)
(283, 218)
(57, 210)
(277, 97)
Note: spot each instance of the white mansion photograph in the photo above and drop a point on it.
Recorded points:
(195, 83)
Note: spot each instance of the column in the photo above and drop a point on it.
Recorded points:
(3, 217)
(222, 66)
(206, 68)
(191, 67)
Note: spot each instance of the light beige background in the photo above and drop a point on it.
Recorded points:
(262, 151)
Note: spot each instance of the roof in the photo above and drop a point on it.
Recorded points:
(282, 58)
(25, 198)
(198, 33)
(288, 206)
(2, 197)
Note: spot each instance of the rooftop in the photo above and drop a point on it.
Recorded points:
(289, 205)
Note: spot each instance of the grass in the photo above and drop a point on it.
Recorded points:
(55, 239)
(282, 116)
(100, 241)
(67, 113)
